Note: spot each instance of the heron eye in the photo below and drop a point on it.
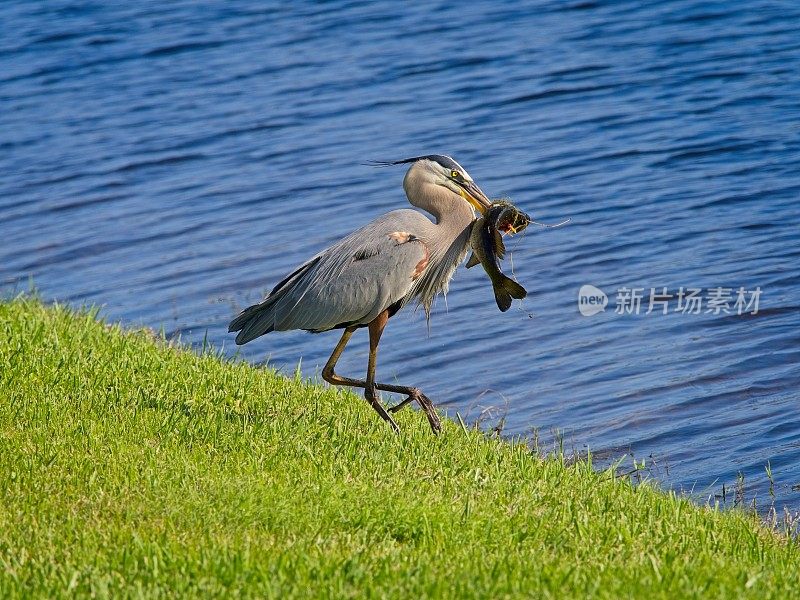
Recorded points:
(455, 174)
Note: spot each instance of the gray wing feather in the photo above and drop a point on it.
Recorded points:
(350, 283)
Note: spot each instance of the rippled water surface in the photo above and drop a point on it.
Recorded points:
(171, 161)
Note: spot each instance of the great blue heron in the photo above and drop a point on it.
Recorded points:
(364, 279)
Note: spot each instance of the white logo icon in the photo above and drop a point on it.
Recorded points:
(591, 300)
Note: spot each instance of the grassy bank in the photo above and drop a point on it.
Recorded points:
(128, 468)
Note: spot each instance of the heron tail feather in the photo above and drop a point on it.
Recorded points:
(259, 319)
(253, 322)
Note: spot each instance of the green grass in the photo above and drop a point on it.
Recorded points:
(129, 468)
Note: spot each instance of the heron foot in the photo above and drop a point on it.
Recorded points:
(371, 394)
(416, 395)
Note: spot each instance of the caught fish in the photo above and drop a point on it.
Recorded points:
(507, 217)
(488, 249)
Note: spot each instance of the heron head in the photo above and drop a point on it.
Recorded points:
(439, 169)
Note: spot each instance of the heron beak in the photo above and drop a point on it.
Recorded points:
(475, 196)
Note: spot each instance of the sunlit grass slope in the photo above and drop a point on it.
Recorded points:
(130, 468)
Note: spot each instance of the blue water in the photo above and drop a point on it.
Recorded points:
(171, 161)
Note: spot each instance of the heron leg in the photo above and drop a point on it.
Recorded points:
(329, 375)
(413, 394)
(376, 328)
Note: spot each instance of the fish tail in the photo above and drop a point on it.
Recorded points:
(505, 291)
(515, 290)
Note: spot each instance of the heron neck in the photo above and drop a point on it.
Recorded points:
(456, 216)
(451, 211)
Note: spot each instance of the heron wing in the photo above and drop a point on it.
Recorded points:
(350, 283)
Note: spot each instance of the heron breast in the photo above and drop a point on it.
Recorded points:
(422, 264)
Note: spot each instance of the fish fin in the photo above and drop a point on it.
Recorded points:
(473, 260)
(505, 291)
(499, 246)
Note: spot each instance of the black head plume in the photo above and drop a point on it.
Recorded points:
(442, 159)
